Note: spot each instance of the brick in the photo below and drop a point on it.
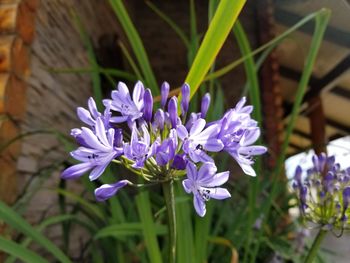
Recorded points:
(8, 17)
(4, 79)
(8, 132)
(32, 4)
(14, 99)
(26, 23)
(20, 59)
(8, 181)
(6, 43)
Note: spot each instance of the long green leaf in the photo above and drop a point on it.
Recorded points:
(96, 81)
(107, 71)
(11, 218)
(171, 23)
(20, 252)
(148, 227)
(89, 207)
(127, 229)
(136, 44)
(219, 28)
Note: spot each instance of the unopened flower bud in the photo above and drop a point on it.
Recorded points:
(205, 105)
(164, 90)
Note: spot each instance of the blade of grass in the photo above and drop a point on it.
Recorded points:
(20, 252)
(107, 71)
(181, 34)
(148, 227)
(93, 209)
(130, 60)
(96, 81)
(136, 44)
(222, 22)
(11, 218)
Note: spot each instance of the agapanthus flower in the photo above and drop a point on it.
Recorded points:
(204, 184)
(324, 193)
(160, 146)
(96, 155)
(130, 109)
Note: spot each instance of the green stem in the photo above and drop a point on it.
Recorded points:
(168, 191)
(315, 246)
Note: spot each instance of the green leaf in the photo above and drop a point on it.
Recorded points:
(148, 227)
(96, 81)
(19, 224)
(136, 44)
(20, 252)
(219, 28)
(93, 209)
(171, 23)
(127, 229)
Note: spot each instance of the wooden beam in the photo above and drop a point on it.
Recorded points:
(332, 34)
(317, 124)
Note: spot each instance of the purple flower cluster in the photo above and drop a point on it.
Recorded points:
(324, 193)
(163, 145)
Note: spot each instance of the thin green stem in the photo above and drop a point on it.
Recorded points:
(315, 246)
(168, 191)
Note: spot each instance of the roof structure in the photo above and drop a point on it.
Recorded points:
(326, 105)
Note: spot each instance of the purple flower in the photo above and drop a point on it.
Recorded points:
(180, 162)
(96, 155)
(130, 109)
(346, 197)
(106, 191)
(159, 118)
(204, 185)
(200, 139)
(140, 149)
(148, 107)
(172, 110)
(164, 90)
(90, 116)
(166, 151)
(205, 105)
(185, 101)
(243, 152)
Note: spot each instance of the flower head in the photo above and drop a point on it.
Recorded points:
(159, 146)
(140, 148)
(324, 194)
(204, 184)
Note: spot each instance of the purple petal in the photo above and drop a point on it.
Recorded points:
(101, 132)
(106, 191)
(219, 193)
(197, 127)
(164, 93)
(185, 92)
(148, 107)
(250, 136)
(85, 116)
(205, 105)
(172, 109)
(252, 150)
(76, 170)
(159, 119)
(213, 145)
(206, 170)
(211, 131)
(97, 171)
(241, 103)
(118, 119)
(187, 184)
(93, 108)
(216, 180)
(138, 95)
(123, 89)
(199, 205)
(91, 139)
(191, 171)
(182, 132)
